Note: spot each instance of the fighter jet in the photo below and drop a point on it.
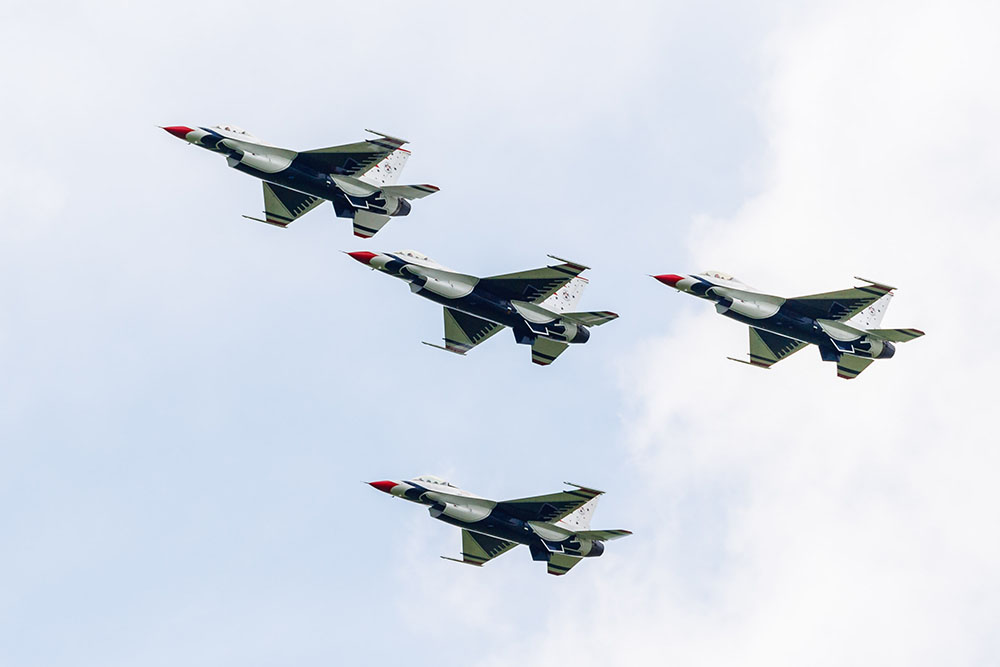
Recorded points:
(556, 527)
(533, 303)
(843, 324)
(360, 179)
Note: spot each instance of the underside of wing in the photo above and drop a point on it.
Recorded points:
(767, 349)
(594, 318)
(850, 367)
(544, 351)
(479, 549)
(463, 332)
(840, 305)
(367, 224)
(283, 206)
(560, 564)
(603, 535)
(350, 159)
(550, 507)
(535, 285)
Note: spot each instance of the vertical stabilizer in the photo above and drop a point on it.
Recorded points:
(871, 317)
(565, 298)
(388, 170)
(579, 519)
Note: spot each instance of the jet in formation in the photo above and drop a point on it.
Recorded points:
(360, 178)
(535, 304)
(843, 324)
(555, 527)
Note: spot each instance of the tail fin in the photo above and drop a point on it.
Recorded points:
(871, 317)
(388, 169)
(566, 297)
(579, 519)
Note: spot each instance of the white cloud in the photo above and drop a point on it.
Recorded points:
(845, 522)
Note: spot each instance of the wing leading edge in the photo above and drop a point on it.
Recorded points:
(550, 507)
(534, 285)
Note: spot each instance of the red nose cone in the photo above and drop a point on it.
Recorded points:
(179, 131)
(383, 486)
(669, 279)
(364, 257)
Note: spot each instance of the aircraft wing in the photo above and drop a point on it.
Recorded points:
(767, 349)
(478, 549)
(560, 564)
(535, 285)
(283, 206)
(463, 332)
(850, 367)
(550, 507)
(350, 159)
(840, 305)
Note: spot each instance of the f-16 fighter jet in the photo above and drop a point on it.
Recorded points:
(843, 324)
(360, 179)
(533, 303)
(556, 527)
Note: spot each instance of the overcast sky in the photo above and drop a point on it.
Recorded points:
(189, 400)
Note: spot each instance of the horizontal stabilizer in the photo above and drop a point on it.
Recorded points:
(410, 191)
(545, 351)
(603, 535)
(896, 335)
(367, 224)
(560, 564)
(850, 367)
(594, 318)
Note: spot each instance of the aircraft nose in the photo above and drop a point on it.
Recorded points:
(179, 131)
(363, 256)
(669, 279)
(385, 486)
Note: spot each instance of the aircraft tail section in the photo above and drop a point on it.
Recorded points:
(579, 519)
(566, 296)
(871, 317)
(387, 171)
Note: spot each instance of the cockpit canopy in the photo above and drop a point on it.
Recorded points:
(413, 254)
(433, 479)
(232, 129)
(718, 275)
